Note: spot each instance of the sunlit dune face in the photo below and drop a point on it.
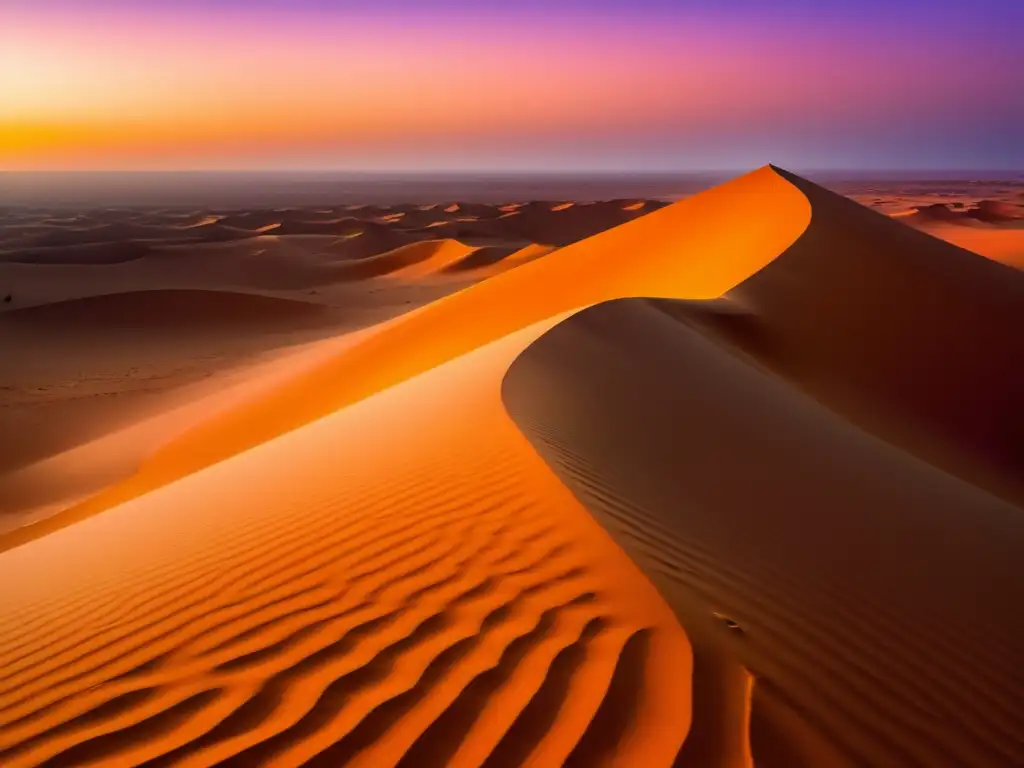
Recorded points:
(203, 222)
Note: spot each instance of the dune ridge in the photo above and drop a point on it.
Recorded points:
(434, 334)
(544, 520)
(813, 551)
(841, 548)
(897, 330)
(448, 604)
(71, 408)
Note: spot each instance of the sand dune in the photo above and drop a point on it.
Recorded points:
(415, 260)
(494, 259)
(542, 288)
(67, 384)
(561, 225)
(904, 355)
(763, 514)
(993, 228)
(995, 211)
(79, 439)
(457, 607)
(340, 226)
(938, 212)
(987, 211)
(90, 253)
(151, 311)
(834, 555)
(432, 256)
(118, 330)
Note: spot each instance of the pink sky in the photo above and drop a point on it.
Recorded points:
(147, 86)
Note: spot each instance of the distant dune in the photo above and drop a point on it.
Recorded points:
(733, 481)
(996, 211)
(935, 212)
(148, 311)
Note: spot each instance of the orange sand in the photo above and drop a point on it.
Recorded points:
(350, 615)
(1005, 245)
(355, 556)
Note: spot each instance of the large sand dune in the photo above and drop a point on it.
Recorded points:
(734, 481)
(840, 557)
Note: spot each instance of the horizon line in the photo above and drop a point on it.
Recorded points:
(493, 171)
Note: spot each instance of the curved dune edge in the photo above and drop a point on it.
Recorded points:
(911, 338)
(37, 490)
(788, 541)
(746, 223)
(433, 256)
(422, 558)
(403, 582)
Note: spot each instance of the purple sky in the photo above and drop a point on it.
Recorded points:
(560, 84)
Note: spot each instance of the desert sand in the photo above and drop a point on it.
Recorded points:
(729, 481)
(983, 218)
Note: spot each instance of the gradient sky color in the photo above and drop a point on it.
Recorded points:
(466, 85)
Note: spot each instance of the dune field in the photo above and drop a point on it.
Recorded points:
(986, 219)
(731, 481)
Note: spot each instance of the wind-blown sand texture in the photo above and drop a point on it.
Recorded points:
(736, 481)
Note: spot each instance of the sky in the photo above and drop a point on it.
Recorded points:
(517, 85)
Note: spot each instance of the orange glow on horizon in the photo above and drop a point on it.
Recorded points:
(154, 89)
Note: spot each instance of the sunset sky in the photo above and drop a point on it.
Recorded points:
(515, 85)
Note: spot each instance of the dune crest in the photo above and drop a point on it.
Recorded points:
(676, 239)
(824, 537)
(449, 603)
(700, 489)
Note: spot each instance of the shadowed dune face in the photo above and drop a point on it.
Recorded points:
(44, 259)
(835, 555)
(791, 541)
(909, 337)
(538, 520)
(169, 310)
(234, 659)
(575, 276)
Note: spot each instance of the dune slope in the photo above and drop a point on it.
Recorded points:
(863, 588)
(824, 537)
(910, 337)
(661, 253)
(403, 582)
(394, 553)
